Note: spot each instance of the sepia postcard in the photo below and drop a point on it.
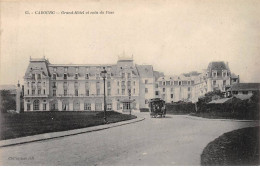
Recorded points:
(129, 83)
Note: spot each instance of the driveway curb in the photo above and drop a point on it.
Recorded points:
(207, 119)
(53, 135)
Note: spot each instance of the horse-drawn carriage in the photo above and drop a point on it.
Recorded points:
(157, 107)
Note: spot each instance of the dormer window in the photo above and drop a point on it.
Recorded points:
(77, 69)
(65, 76)
(65, 69)
(87, 76)
(87, 69)
(55, 69)
(76, 76)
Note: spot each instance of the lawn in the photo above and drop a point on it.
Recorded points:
(236, 148)
(31, 123)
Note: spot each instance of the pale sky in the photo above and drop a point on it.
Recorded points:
(174, 36)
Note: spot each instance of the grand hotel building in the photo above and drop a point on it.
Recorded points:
(68, 87)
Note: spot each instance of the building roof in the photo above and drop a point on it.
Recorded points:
(217, 66)
(218, 101)
(145, 71)
(245, 87)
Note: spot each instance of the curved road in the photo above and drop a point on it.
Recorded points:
(175, 140)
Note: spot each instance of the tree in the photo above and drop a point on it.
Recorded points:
(7, 101)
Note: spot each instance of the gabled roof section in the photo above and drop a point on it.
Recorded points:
(145, 71)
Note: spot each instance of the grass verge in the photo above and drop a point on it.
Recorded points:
(32, 123)
(236, 148)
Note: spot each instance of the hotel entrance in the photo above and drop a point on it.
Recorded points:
(126, 106)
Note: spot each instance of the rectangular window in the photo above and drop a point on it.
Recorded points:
(44, 91)
(146, 90)
(118, 106)
(214, 82)
(157, 93)
(87, 106)
(128, 83)
(163, 89)
(87, 85)
(109, 106)
(156, 85)
(118, 91)
(44, 106)
(28, 106)
(123, 91)
(224, 82)
(33, 76)
(28, 92)
(118, 83)
(123, 75)
(65, 76)
(76, 76)
(134, 91)
(39, 92)
(76, 85)
(76, 92)
(175, 82)
(109, 92)
(65, 85)
(98, 91)
(164, 83)
(134, 83)
(192, 82)
(65, 92)
(168, 83)
(123, 84)
(53, 84)
(38, 76)
(54, 93)
(171, 89)
(54, 76)
(108, 84)
(87, 92)
(128, 75)
(171, 95)
(146, 81)
(33, 92)
(188, 88)
(98, 106)
(97, 85)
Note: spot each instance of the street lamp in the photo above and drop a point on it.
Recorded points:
(103, 74)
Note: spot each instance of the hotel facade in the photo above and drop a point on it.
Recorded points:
(80, 87)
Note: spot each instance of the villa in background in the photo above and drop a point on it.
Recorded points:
(79, 87)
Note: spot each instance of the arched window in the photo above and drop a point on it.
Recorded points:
(36, 104)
